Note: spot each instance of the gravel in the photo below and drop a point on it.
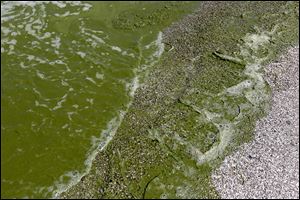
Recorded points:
(268, 167)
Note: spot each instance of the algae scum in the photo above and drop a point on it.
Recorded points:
(70, 125)
(68, 73)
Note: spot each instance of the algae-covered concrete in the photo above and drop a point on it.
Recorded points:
(198, 104)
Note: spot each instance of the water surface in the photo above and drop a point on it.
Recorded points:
(68, 74)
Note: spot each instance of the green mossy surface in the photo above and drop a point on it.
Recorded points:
(149, 15)
(155, 152)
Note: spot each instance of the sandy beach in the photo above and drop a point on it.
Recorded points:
(268, 167)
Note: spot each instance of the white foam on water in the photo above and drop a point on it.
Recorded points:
(81, 54)
(56, 42)
(8, 43)
(159, 44)
(7, 10)
(37, 104)
(30, 57)
(78, 130)
(36, 91)
(125, 53)
(75, 106)
(94, 38)
(134, 86)
(60, 62)
(63, 15)
(64, 83)
(90, 100)
(59, 4)
(59, 103)
(154, 57)
(99, 143)
(99, 76)
(7, 7)
(91, 80)
(65, 126)
(70, 115)
(33, 15)
(115, 48)
(40, 75)
(118, 49)
(5, 31)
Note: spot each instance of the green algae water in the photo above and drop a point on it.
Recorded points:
(68, 74)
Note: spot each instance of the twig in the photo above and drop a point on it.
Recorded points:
(228, 58)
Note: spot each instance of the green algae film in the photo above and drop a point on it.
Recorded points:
(197, 105)
(68, 74)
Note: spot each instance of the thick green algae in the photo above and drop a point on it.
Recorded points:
(189, 99)
(150, 15)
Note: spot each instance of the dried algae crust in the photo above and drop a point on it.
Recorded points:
(198, 104)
